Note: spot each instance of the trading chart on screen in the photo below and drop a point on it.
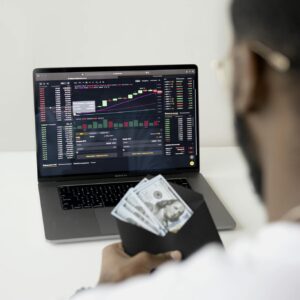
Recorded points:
(110, 121)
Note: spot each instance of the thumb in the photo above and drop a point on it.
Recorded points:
(156, 260)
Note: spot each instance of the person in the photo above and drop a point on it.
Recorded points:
(266, 100)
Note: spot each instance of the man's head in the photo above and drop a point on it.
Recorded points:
(266, 84)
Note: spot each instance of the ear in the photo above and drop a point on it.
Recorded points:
(246, 79)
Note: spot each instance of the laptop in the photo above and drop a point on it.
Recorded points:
(100, 130)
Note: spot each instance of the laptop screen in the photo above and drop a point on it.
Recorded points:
(127, 120)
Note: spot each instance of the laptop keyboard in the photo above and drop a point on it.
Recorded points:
(99, 195)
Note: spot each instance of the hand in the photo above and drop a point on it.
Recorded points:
(118, 266)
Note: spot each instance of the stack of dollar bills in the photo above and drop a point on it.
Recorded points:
(155, 206)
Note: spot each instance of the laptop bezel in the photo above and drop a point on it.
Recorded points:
(121, 174)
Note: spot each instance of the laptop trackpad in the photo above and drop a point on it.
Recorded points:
(107, 223)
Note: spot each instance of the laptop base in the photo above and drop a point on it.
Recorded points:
(89, 224)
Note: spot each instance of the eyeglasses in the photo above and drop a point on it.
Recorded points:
(276, 60)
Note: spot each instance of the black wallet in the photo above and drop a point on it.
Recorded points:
(197, 232)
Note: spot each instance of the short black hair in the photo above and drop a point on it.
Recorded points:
(276, 23)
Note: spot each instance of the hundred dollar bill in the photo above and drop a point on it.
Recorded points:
(135, 201)
(142, 182)
(123, 214)
(164, 203)
(126, 212)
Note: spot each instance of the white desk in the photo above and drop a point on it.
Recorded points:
(33, 269)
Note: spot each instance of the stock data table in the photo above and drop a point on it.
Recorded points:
(119, 119)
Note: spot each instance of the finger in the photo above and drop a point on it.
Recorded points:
(159, 259)
(153, 261)
(115, 249)
(121, 250)
(112, 247)
(176, 255)
(119, 246)
(172, 255)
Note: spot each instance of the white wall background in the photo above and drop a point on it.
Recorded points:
(39, 33)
